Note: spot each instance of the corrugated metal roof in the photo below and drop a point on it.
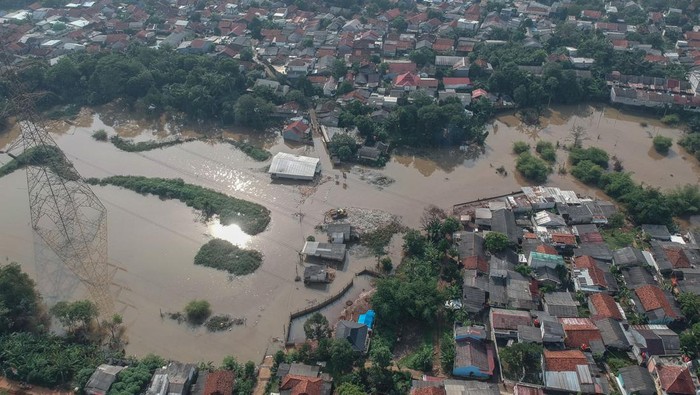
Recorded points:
(293, 165)
(562, 380)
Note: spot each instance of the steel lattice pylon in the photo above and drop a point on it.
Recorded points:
(68, 216)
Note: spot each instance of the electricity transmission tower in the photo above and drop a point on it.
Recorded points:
(65, 213)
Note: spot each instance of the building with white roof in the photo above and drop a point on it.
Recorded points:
(295, 167)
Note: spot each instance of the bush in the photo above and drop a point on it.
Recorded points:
(520, 146)
(546, 151)
(258, 154)
(422, 359)
(197, 311)
(130, 146)
(100, 135)
(496, 242)
(532, 168)
(662, 144)
(221, 254)
(671, 119)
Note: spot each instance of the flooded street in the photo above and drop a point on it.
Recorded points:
(152, 242)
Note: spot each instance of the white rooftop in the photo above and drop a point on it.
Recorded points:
(293, 165)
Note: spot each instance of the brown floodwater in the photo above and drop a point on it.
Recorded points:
(152, 242)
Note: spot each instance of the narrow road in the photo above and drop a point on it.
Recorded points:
(264, 376)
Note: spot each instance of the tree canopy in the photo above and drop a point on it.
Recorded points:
(19, 300)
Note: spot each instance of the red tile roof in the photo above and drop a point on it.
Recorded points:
(297, 127)
(596, 273)
(652, 298)
(302, 385)
(407, 79)
(605, 306)
(676, 379)
(219, 383)
(591, 237)
(564, 361)
(677, 258)
(510, 319)
(564, 238)
(546, 249)
(476, 263)
(401, 67)
(579, 331)
(428, 391)
(456, 81)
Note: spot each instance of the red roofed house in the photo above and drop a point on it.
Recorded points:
(588, 276)
(443, 45)
(410, 82)
(603, 305)
(456, 82)
(219, 383)
(672, 376)
(301, 385)
(477, 262)
(478, 93)
(677, 258)
(401, 67)
(295, 131)
(653, 302)
(581, 333)
(563, 361)
(591, 15)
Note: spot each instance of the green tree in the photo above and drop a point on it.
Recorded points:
(520, 146)
(341, 357)
(400, 24)
(587, 171)
(496, 242)
(422, 359)
(348, 388)
(532, 168)
(546, 150)
(75, 316)
(380, 355)
(197, 311)
(593, 154)
(520, 359)
(662, 144)
(690, 306)
(19, 300)
(316, 327)
(253, 111)
(447, 352)
(339, 69)
(343, 145)
(414, 243)
(690, 341)
(422, 56)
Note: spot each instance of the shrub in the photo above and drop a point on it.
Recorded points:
(520, 146)
(532, 168)
(100, 135)
(587, 172)
(496, 242)
(671, 119)
(221, 254)
(662, 144)
(422, 359)
(197, 311)
(546, 151)
(593, 154)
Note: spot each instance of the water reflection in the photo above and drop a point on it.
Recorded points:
(231, 233)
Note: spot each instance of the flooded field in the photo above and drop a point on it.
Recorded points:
(152, 242)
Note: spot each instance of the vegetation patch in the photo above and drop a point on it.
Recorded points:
(662, 144)
(130, 146)
(49, 156)
(69, 111)
(221, 254)
(100, 135)
(252, 151)
(520, 146)
(378, 239)
(219, 323)
(251, 217)
(197, 311)
(532, 168)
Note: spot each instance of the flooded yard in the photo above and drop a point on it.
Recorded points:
(152, 242)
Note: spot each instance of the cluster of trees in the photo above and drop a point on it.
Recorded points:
(223, 255)
(151, 80)
(532, 167)
(643, 204)
(691, 141)
(690, 337)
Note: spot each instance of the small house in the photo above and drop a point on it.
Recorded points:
(474, 359)
(560, 304)
(538, 259)
(582, 333)
(504, 323)
(635, 380)
(657, 232)
(327, 251)
(339, 233)
(602, 305)
(296, 131)
(355, 333)
(316, 274)
(219, 382)
(371, 154)
(648, 340)
(102, 378)
(672, 376)
(656, 305)
(612, 333)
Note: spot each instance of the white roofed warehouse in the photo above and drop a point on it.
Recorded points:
(294, 167)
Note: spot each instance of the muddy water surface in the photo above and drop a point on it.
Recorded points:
(152, 242)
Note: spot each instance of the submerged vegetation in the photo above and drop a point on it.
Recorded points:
(130, 146)
(251, 217)
(252, 151)
(48, 155)
(221, 254)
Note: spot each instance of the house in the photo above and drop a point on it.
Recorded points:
(548, 219)
(508, 288)
(635, 380)
(339, 233)
(570, 372)
(328, 251)
(602, 305)
(293, 385)
(456, 83)
(612, 333)
(371, 154)
(474, 359)
(296, 131)
(316, 274)
(294, 167)
(657, 232)
(582, 333)
(355, 333)
(655, 304)
(504, 323)
(637, 276)
(648, 340)
(591, 276)
(102, 378)
(469, 244)
(173, 379)
(478, 263)
(596, 250)
(560, 304)
(219, 382)
(503, 221)
(629, 256)
(537, 259)
(672, 376)
(436, 386)
(474, 289)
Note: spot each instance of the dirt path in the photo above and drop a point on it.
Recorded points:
(14, 388)
(264, 376)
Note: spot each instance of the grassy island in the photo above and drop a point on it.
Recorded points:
(221, 254)
(251, 217)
